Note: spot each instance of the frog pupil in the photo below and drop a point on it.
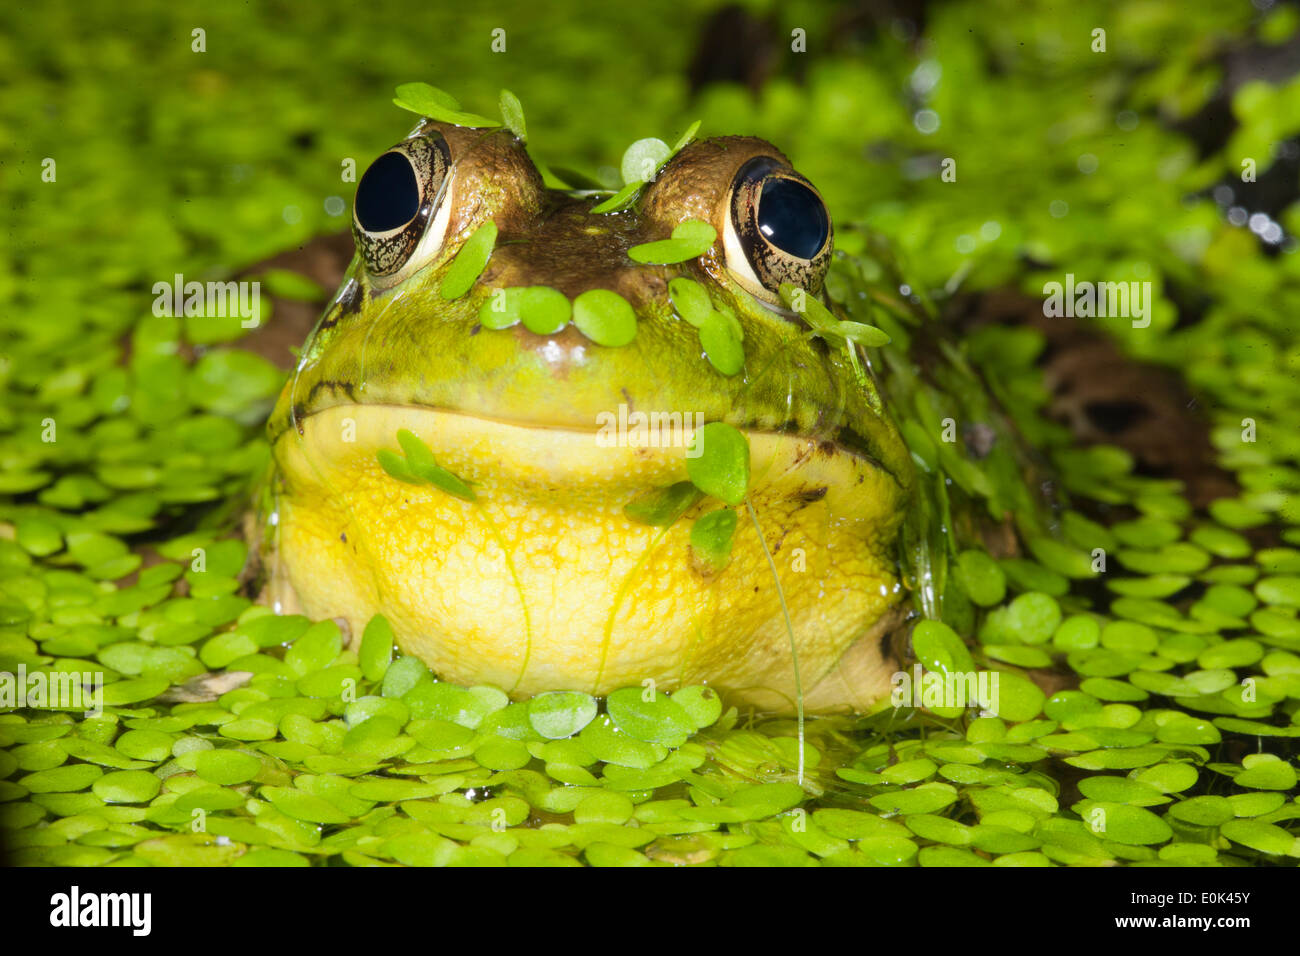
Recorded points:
(792, 218)
(388, 195)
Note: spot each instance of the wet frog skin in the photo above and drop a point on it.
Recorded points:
(543, 581)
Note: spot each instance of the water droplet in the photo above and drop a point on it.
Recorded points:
(926, 76)
(926, 121)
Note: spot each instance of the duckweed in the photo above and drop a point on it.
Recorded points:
(719, 465)
(302, 745)
(471, 259)
(605, 317)
(690, 239)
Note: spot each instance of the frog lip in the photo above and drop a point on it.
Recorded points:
(845, 441)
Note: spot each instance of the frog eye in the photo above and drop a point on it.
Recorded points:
(778, 230)
(395, 200)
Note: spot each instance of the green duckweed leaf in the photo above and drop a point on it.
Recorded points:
(316, 649)
(605, 317)
(1266, 772)
(395, 465)
(512, 115)
(403, 674)
(938, 648)
(702, 704)
(926, 798)
(436, 104)
(470, 261)
(717, 461)
(127, 786)
(560, 714)
(1283, 590)
(1127, 825)
(1205, 811)
(543, 310)
(608, 743)
(1018, 698)
(686, 137)
(980, 576)
(691, 300)
(661, 507)
(376, 651)
(304, 806)
(1169, 777)
(690, 239)
(721, 345)
(658, 719)
(641, 160)
(424, 467)
(711, 536)
(621, 200)
(1264, 837)
(501, 753)
(70, 778)
(225, 767)
(1108, 789)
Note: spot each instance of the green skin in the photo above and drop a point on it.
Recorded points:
(408, 345)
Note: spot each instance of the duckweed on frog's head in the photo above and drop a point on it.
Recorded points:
(484, 428)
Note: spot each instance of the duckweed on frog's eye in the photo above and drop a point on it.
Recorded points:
(317, 744)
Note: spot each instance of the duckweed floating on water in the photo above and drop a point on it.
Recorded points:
(329, 751)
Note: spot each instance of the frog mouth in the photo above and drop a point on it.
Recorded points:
(543, 581)
(623, 426)
(570, 452)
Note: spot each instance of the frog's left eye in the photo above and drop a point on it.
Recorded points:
(778, 230)
(395, 200)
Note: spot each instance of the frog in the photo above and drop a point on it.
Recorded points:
(531, 564)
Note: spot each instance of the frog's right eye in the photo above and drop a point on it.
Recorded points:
(396, 199)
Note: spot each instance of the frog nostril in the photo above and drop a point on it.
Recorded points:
(388, 196)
